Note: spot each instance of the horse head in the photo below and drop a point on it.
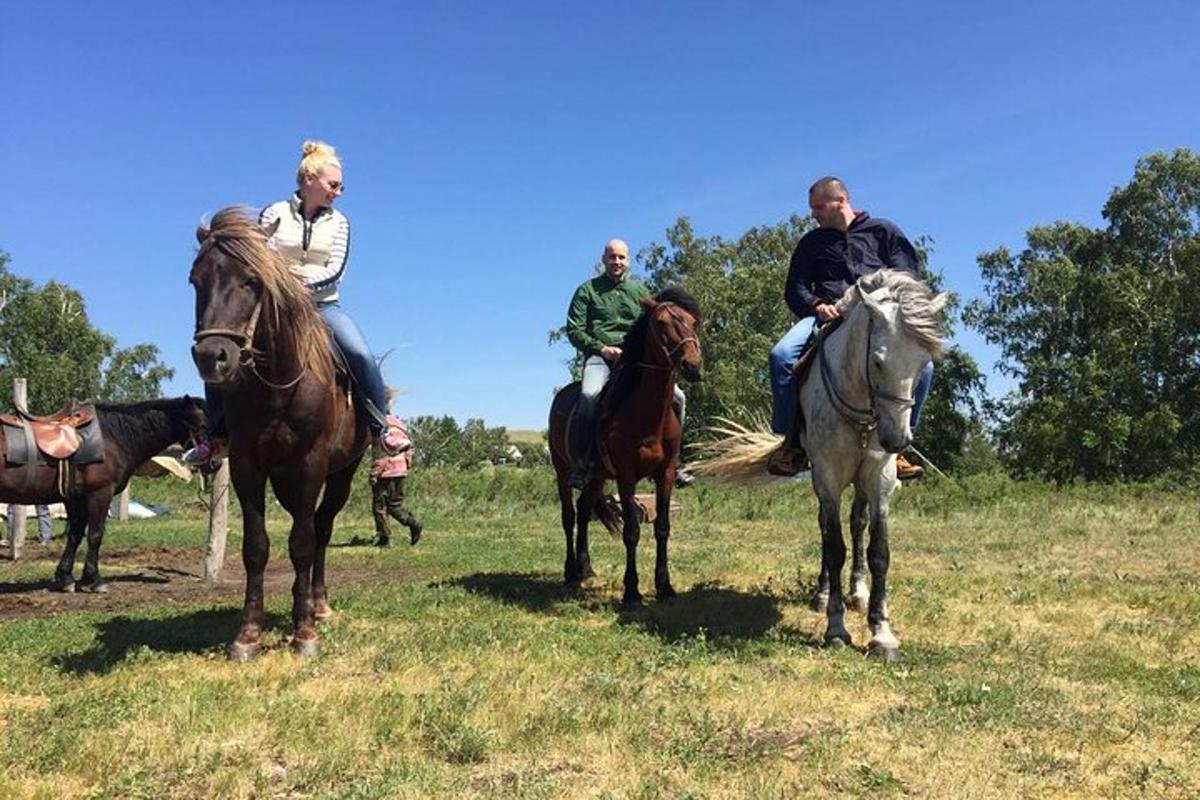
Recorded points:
(674, 320)
(903, 335)
(229, 295)
(192, 424)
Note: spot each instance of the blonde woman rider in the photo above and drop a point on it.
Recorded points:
(314, 239)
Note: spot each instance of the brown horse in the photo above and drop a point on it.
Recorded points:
(133, 433)
(638, 436)
(260, 339)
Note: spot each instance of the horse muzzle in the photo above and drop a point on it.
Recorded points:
(897, 444)
(217, 359)
(691, 371)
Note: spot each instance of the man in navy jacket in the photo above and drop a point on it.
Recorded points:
(847, 245)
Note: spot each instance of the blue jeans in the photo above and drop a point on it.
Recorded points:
(595, 374)
(787, 352)
(784, 355)
(368, 379)
(44, 523)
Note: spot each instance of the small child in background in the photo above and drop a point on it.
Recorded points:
(387, 485)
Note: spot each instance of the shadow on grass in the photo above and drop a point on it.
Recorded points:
(719, 612)
(530, 591)
(46, 584)
(192, 632)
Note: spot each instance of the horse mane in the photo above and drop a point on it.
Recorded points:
(919, 308)
(242, 238)
(633, 347)
(129, 422)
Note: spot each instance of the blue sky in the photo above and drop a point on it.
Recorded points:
(491, 149)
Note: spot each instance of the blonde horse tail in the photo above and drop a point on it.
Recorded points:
(735, 453)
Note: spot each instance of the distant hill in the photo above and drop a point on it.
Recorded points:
(517, 436)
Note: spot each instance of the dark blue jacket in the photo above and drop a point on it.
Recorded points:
(827, 262)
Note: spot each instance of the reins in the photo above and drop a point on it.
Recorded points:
(668, 353)
(865, 419)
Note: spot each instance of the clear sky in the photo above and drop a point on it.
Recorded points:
(490, 149)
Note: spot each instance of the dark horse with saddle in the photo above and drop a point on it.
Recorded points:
(82, 456)
(638, 436)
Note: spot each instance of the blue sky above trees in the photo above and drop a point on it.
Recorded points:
(490, 151)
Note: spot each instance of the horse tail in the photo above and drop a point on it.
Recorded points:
(736, 453)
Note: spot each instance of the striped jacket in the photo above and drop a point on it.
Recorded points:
(316, 251)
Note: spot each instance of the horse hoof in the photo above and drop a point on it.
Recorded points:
(858, 604)
(306, 648)
(886, 654)
(631, 600)
(666, 592)
(586, 572)
(837, 641)
(240, 652)
(322, 610)
(93, 588)
(819, 603)
(66, 587)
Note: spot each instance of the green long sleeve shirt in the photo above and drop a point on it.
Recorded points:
(602, 312)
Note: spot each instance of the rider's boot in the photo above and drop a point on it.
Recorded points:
(789, 459)
(908, 471)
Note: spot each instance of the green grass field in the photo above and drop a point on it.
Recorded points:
(1050, 635)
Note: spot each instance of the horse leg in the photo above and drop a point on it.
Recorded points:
(630, 533)
(256, 547)
(833, 555)
(884, 644)
(97, 515)
(663, 484)
(583, 517)
(297, 492)
(64, 580)
(858, 573)
(566, 501)
(337, 491)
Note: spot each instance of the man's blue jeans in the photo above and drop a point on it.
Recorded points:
(44, 523)
(368, 378)
(595, 374)
(787, 352)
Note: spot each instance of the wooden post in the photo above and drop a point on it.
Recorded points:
(16, 513)
(218, 523)
(123, 503)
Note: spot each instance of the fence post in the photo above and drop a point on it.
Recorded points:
(16, 513)
(123, 503)
(218, 523)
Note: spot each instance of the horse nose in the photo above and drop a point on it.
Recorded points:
(215, 359)
(691, 371)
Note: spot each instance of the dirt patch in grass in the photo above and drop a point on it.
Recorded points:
(143, 577)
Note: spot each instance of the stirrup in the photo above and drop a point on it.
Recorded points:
(788, 460)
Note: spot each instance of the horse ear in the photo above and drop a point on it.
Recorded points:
(870, 301)
(201, 233)
(648, 303)
(269, 230)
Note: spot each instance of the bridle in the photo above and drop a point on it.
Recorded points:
(668, 352)
(244, 338)
(865, 419)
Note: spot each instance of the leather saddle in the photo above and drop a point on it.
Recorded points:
(811, 348)
(57, 436)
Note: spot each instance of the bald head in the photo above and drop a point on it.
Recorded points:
(829, 203)
(616, 259)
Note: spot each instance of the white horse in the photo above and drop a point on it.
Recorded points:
(857, 400)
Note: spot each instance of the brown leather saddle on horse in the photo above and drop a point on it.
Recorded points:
(71, 433)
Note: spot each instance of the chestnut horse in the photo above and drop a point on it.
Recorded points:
(133, 433)
(638, 436)
(261, 341)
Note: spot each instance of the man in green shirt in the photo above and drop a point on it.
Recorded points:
(602, 311)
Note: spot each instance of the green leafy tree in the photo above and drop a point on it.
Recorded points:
(46, 338)
(440, 442)
(1101, 329)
